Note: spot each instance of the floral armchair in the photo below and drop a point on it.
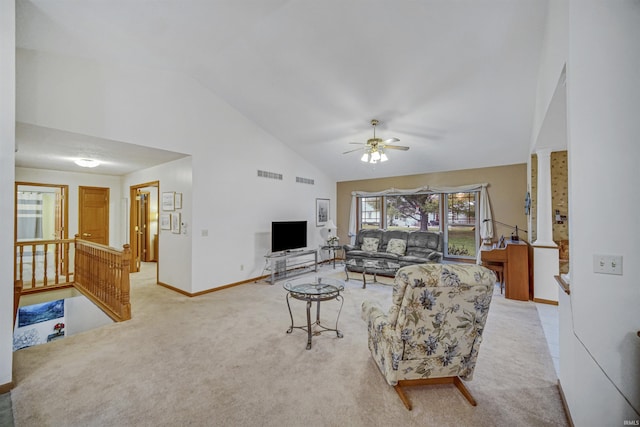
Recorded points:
(433, 329)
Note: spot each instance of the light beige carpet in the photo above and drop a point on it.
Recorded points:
(225, 359)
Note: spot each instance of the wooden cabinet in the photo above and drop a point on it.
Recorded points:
(515, 259)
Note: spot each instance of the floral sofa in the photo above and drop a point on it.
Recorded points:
(396, 246)
(433, 329)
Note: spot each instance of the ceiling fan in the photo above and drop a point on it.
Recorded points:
(374, 148)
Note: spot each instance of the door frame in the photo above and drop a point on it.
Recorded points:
(64, 191)
(63, 217)
(133, 214)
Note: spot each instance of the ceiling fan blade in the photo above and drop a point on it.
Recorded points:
(357, 149)
(386, 141)
(397, 147)
(359, 143)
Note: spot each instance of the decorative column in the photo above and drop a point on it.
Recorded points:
(544, 215)
(545, 250)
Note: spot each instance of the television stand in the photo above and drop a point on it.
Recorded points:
(290, 263)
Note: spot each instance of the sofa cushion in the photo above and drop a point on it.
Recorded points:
(397, 246)
(389, 235)
(389, 256)
(358, 253)
(370, 244)
(369, 232)
(425, 239)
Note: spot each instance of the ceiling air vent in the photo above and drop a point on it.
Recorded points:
(304, 180)
(271, 175)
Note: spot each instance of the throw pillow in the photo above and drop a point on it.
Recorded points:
(370, 244)
(397, 246)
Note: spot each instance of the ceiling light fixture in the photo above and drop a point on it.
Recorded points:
(374, 155)
(86, 163)
(374, 148)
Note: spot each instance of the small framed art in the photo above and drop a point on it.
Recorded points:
(175, 223)
(322, 212)
(165, 221)
(168, 201)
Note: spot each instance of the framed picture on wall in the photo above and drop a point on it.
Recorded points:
(168, 201)
(176, 221)
(322, 212)
(177, 200)
(165, 221)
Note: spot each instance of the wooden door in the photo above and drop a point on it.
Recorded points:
(93, 215)
(136, 234)
(139, 223)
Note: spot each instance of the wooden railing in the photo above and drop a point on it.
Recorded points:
(17, 290)
(43, 264)
(102, 275)
(100, 272)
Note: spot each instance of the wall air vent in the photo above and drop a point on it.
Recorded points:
(271, 175)
(304, 180)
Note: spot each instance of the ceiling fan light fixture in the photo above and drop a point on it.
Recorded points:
(374, 148)
(87, 163)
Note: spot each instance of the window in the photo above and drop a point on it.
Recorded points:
(462, 230)
(370, 212)
(454, 214)
(413, 212)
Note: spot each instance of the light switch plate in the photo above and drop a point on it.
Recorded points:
(607, 264)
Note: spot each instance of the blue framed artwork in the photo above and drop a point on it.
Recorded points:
(37, 313)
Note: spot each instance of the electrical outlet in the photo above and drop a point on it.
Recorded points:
(607, 264)
(241, 267)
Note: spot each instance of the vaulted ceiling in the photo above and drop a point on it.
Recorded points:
(453, 80)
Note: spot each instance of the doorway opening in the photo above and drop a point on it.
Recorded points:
(41, 211)
(41, 216)
(143, 228)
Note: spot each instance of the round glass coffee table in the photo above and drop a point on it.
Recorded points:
(318, 290)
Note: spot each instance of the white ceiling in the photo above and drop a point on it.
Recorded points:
(454, 80)
(45, 148)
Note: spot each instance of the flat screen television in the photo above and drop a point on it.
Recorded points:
(288, 235)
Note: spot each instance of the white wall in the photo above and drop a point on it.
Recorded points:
(174, 258)
(599, 349)
(82, 315)
(552, 61)
(603, 108)
(7, 163)
(74, 180)
(163, 110)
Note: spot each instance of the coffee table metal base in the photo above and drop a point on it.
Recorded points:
(324, 290)
(315, 328)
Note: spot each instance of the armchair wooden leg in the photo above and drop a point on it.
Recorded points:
(430, 381)
(464, 390)
(403, 396)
